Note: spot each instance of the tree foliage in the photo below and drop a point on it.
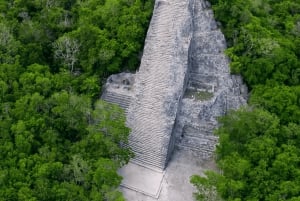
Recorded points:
(57, 141)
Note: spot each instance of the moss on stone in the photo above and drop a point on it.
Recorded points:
(199, 95)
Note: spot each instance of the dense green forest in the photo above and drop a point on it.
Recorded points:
(259, 149)
(57, 141)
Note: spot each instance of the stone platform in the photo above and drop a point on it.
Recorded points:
(142, 179)
(175, 185)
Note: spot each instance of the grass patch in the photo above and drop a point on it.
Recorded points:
(199, 95)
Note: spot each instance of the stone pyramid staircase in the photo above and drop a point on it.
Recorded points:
(158, 88)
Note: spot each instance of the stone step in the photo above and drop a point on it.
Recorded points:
(203, 154)
(203, 82)
(209, 64)
(152, 156)
(140, 136)
(120, 99)
(209, 43)
(200, 6)
(200, 77)
(122, 103)
(143, 138)
(147, 151)
(202, 125)
(200, 132)
(152, 163)
(200, 144)
(147, 147)
(148, 155)
(204, 21)
(199, 86)
(198, 151)
(215, 33)
(156, 164)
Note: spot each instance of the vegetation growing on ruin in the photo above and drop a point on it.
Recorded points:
(57, 142)
(198, 95)
(259, 150)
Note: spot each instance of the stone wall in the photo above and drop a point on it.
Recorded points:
(211, 90)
